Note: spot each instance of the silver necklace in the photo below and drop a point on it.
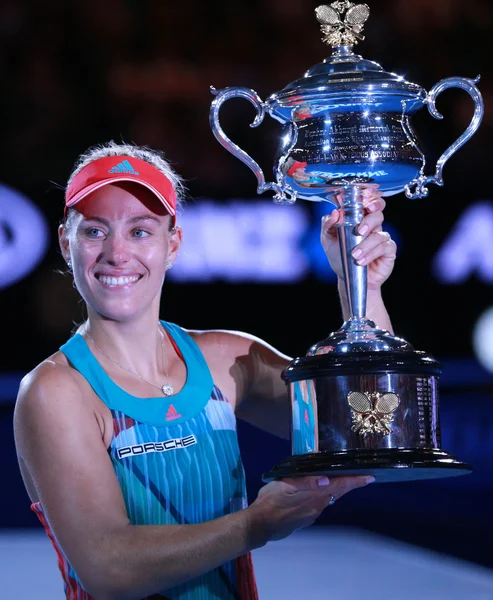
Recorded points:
(167, 389)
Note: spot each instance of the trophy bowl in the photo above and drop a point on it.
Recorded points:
(363, 400)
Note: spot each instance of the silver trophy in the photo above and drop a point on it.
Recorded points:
(363, 400)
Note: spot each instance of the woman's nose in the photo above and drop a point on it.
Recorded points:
(116, 250)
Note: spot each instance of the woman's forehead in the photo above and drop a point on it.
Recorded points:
(121, 201)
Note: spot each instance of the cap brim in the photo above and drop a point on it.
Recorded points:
(95, 186)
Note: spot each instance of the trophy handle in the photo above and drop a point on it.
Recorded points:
(420, 190)
(284, 194)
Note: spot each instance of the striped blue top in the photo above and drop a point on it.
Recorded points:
(177, 461)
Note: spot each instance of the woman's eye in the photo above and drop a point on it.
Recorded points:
(93, 232)
(140, 233)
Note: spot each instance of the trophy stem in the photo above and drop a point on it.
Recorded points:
(350, 199)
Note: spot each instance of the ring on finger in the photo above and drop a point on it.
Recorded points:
(332, 500)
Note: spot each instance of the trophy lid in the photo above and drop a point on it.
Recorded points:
(344, 74)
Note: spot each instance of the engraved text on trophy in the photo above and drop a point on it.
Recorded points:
(355, 144)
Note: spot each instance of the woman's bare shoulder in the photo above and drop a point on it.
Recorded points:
(223, 338)
(54, 396)
(231, 343)
(50, 377)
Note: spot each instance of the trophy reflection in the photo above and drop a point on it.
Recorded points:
(363, 401)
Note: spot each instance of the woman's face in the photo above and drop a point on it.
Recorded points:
(119, 242)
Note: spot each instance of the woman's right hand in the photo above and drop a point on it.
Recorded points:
(288, 504)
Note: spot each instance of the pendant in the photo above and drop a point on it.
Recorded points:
(168, 390)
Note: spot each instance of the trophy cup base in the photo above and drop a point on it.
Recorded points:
(392, 465)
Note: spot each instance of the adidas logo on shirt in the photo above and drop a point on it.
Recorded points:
(172, 413)
(123, 167)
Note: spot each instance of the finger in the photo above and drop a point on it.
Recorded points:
(385, 253)
(372, 242)
(377, 245)
(342, 485)
(371, 222)
(374, 202)
(306, 484)
(331, 220)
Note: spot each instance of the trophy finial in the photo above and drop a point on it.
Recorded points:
(342, 22)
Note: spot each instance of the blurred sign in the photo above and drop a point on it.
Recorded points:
(483, 339)
(252, 241)
(468, 249)
(24, 236)
(243, 240)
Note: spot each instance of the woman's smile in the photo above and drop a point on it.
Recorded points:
(122, 282)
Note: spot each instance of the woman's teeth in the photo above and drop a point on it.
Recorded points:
(117, 280)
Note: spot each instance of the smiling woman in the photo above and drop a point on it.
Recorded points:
(120, 244)
(142, 492)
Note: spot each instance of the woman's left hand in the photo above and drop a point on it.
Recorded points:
(377, 250)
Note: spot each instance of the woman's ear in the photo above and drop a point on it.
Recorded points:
(64, 243)
(175, 240)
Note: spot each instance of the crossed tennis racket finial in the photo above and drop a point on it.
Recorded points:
(341, 29)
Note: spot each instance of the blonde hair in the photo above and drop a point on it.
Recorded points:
(153, 157)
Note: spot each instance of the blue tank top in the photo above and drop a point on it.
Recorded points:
(177, 461)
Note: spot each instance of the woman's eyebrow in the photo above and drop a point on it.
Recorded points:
(144, 218)
(97, 219)
(132, 220)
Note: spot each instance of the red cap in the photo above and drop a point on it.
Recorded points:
(112, 169)
(295, 166)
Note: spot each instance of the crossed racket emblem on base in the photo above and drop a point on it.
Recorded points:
(372, 412)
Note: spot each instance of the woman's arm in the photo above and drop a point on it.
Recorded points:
(262, 397)
(248, 371)
(60, 445)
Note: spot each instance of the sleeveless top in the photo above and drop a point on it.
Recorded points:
(177, 461)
